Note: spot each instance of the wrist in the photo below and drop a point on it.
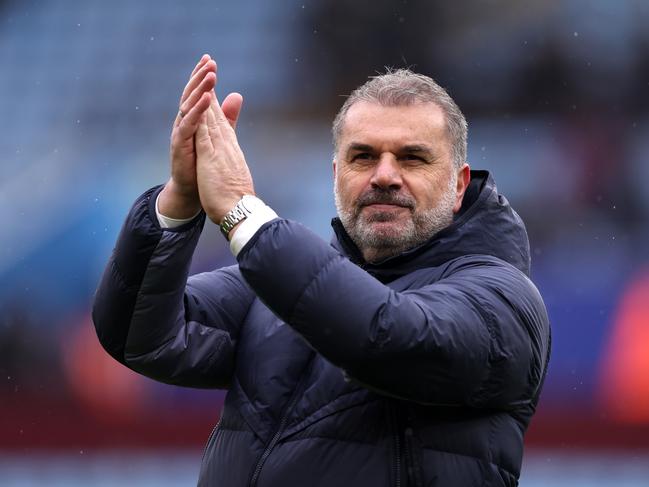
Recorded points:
(238, 212)
(176, 203)
(258, 213)
(233, 231)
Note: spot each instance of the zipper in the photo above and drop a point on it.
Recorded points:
(412, 460)
(297, 392)
(209, 438)
(397, 463)
(397, 447)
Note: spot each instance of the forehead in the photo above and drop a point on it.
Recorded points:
(373, 123)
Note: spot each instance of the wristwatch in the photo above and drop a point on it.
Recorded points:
(244, 207)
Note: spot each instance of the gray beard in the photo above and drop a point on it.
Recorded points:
(377, 245)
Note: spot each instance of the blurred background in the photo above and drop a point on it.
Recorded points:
(555, 93)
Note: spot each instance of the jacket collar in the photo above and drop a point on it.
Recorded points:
(486, 224)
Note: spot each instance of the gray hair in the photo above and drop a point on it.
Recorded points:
(404, 87)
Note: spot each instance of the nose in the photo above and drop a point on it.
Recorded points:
(387, 173)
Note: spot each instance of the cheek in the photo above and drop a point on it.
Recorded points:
(349, 188)
(428, 192)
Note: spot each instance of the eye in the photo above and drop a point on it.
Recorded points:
(413, 158)
(362, 156)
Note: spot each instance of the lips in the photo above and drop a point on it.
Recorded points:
(384, 206)
(385, 200)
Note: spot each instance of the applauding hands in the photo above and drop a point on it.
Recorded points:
(208, 168)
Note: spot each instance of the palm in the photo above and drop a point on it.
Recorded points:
(180, 196)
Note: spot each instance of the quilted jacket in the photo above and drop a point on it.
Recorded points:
(421, 370)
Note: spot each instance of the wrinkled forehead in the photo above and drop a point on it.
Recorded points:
(373, 123)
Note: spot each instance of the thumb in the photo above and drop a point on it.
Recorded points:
(203, 140)
(231, 107)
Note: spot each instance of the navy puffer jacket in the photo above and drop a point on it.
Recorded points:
(422, 370)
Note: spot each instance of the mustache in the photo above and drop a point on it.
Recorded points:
(379, 196)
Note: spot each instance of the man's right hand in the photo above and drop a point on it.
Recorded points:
(179, 198)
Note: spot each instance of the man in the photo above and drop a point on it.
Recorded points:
(411, 351)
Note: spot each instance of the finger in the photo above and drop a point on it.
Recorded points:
(190, 122)
(231, 108)
(217, 111)
(204, 58)
(195, 80)
(205, 86)
(203, 140)
(213, 122)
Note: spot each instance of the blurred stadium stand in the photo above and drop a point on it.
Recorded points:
(555, 95)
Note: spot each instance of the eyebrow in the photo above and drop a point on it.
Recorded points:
(417, 148)
(360, 147)
(357, 146)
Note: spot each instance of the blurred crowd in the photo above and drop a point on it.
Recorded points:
(554, 93)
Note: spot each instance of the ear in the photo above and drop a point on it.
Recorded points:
(333, 165)
(463, 180)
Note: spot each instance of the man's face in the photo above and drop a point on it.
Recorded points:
(394, 181)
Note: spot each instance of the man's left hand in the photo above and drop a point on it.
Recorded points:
(222, 173)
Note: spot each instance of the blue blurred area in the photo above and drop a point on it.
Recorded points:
(554, 92)
(174, 468)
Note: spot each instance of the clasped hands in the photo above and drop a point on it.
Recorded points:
(208, 168)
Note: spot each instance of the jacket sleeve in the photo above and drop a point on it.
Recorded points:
(478, 337)
(149, 316)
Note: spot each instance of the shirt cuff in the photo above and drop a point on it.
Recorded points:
(167, 222)
(247, 228)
